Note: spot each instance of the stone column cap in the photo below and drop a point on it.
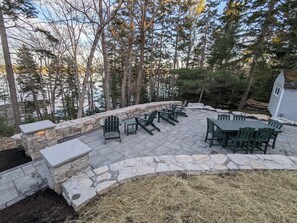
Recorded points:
(36, 126)
(65, 152)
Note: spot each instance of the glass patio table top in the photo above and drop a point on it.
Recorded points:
(235, 125)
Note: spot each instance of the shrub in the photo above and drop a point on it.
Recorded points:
(6, 129)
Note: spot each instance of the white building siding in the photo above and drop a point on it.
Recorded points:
(288, 106)
(276, 94)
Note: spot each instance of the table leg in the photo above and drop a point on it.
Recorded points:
(224, 142)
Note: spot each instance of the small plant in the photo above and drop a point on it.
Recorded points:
(5, 128)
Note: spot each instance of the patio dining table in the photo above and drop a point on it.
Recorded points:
(233, 126)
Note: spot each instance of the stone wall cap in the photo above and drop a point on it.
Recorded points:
(36, 126)
(62, 153)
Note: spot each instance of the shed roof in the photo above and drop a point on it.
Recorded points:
(290, 79)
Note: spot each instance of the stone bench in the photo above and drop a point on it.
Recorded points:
(65, 160)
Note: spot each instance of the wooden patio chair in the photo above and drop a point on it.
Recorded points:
(261, 140)
(180, 109)
(148, 121)
(242, 140)
(223, 117)
(277, 125)
(239, 117)
(111, 128)
(168, 115)
(215, 133)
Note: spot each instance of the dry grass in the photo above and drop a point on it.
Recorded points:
(259, 196)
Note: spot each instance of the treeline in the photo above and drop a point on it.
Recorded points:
(219, 52)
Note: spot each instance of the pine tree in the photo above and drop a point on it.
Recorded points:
(29, 79)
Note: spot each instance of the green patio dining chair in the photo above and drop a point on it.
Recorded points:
(239, 117)
(223, 117)
(242, 140)
(261, 140)
(276, 125)
(215, 133)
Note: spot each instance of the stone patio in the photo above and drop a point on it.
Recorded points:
(186, 138)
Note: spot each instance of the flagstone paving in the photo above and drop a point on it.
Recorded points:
(82, 188)
(186, 138)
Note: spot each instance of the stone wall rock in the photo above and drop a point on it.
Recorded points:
(34, 142)
(58, 175)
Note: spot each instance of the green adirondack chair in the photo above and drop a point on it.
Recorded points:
(180, 109)
(239, 117)
(111, 128)
(168, 115)
(277, 125)
(215, 133)
(242, 140)
(261, 140)
(148, 121)
(223, 117)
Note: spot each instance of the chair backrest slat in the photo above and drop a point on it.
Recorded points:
(263, 135)
(111, 124)
(223, 117)
(239, 117)
(245, 134)
(275, 124)
(184, 103)
(210, 125)
(151, 118)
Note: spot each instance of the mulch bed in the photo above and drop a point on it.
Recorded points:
(12, 157)
(43, 206)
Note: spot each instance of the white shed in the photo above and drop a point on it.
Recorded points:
(283, 99)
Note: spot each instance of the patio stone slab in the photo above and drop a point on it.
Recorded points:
(36, 126)
(62, 153)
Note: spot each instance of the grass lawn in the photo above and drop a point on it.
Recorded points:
(258, 196)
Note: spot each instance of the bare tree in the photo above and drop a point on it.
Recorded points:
(9, 72)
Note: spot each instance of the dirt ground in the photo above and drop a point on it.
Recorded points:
(43, 206)
(12, 157)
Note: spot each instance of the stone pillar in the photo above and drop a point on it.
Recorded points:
(65, 160)
(36, 136)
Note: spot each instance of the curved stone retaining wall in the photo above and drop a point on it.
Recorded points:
(35, 138)
(80, 189)
(82, 125)
(248, 115)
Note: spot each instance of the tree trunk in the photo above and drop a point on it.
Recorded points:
(82, 94)
(42, 89)
(141, 68)
(201, 94)
(176, 39)
(189, 49)
(141, 59)
(204, 42)
(106, 80)
(129, 55)
(250, 81)
(38, 113)
(9, 73)
(152, 57)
